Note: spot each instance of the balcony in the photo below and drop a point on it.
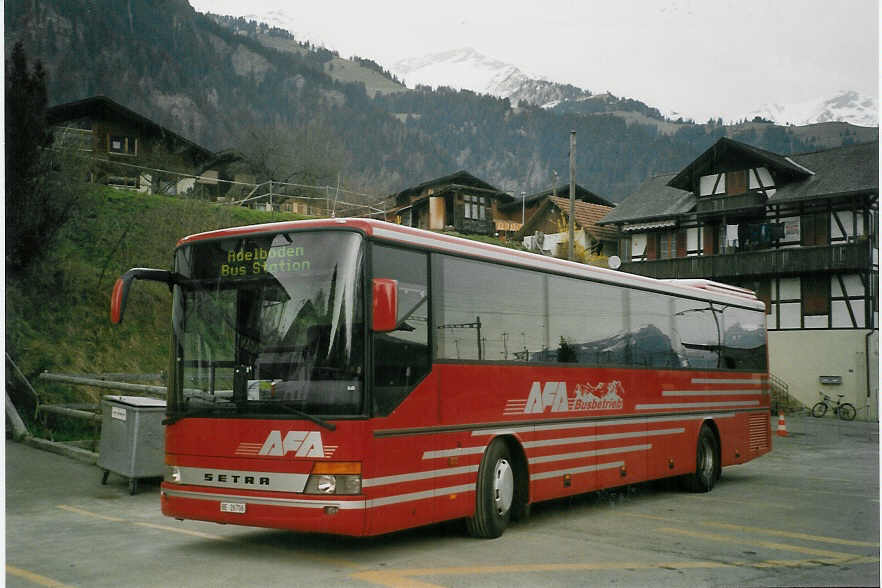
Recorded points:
(470, 226)
(851, 257)
(741, 203)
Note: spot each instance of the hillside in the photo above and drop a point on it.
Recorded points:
(57, 313)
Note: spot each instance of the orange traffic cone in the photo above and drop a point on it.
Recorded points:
(782, 425)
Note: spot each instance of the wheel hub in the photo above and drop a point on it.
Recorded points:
(503, 486)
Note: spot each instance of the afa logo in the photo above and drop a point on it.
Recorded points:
(302, 443)
(554, 397)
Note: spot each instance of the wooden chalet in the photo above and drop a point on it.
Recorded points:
(521, 211)
(459, 201)
(125, 140)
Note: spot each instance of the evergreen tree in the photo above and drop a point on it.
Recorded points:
(39, 193)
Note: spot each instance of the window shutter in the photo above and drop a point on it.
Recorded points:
(816, 295)
(736, 182)
(681, 243)
(708, 239)
(815, 228)
(652, 246)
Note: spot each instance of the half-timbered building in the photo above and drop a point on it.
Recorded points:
(800, 230)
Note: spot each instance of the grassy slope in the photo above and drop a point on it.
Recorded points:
(57, 312)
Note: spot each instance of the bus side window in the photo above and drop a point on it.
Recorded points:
(401, 357)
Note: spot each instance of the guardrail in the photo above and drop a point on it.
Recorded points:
(102, 383)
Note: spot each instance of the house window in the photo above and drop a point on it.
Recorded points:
(667, 245)
(816, 295)
(815, 228)
(670, 244)
(122, 144)
(475, 207)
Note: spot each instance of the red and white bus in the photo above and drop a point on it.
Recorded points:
(358, 377)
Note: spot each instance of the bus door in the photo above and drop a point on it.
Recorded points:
(404, 399)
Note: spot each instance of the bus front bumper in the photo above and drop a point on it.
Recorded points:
(317, 514)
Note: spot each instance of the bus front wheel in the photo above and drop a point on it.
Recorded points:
(494, 494)
(707, 462)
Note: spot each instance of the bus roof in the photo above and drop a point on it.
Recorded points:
(391, 232)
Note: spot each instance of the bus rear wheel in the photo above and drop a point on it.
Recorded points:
(707, 462)
(494, 494)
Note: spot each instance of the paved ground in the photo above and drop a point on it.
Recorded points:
(806, 514)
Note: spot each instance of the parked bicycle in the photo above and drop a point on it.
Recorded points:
(845, 410)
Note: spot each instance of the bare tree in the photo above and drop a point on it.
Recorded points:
(307, 155)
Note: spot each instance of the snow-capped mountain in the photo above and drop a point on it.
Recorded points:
(467, 69)
(847, 106)
(281, 19)
(462, 69)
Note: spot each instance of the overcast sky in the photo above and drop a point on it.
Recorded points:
(699, 57)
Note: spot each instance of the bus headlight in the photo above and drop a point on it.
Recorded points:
(173, 474)
(334, 478)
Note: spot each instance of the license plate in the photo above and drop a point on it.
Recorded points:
(237, 507)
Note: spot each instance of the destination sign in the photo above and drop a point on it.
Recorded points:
(254, 261)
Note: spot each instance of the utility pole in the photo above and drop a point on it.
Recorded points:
(523, 208)
(572, 229)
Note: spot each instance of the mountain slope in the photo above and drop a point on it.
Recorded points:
(233, 85)
(228, 86)
(356, 70)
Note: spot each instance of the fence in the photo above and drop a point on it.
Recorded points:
(82, 449)
(306, 199)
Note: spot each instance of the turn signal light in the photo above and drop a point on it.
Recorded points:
(337, 467)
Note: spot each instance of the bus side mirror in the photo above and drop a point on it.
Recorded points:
(121, 288)
(385, 305)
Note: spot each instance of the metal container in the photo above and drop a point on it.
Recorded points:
(132, 438)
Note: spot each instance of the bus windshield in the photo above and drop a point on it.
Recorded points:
(269, 325)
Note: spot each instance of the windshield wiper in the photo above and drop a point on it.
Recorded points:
(317, 420)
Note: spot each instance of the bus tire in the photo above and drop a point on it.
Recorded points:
(494, 494)
(707, 462)
(847, 411)
(819, 410)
